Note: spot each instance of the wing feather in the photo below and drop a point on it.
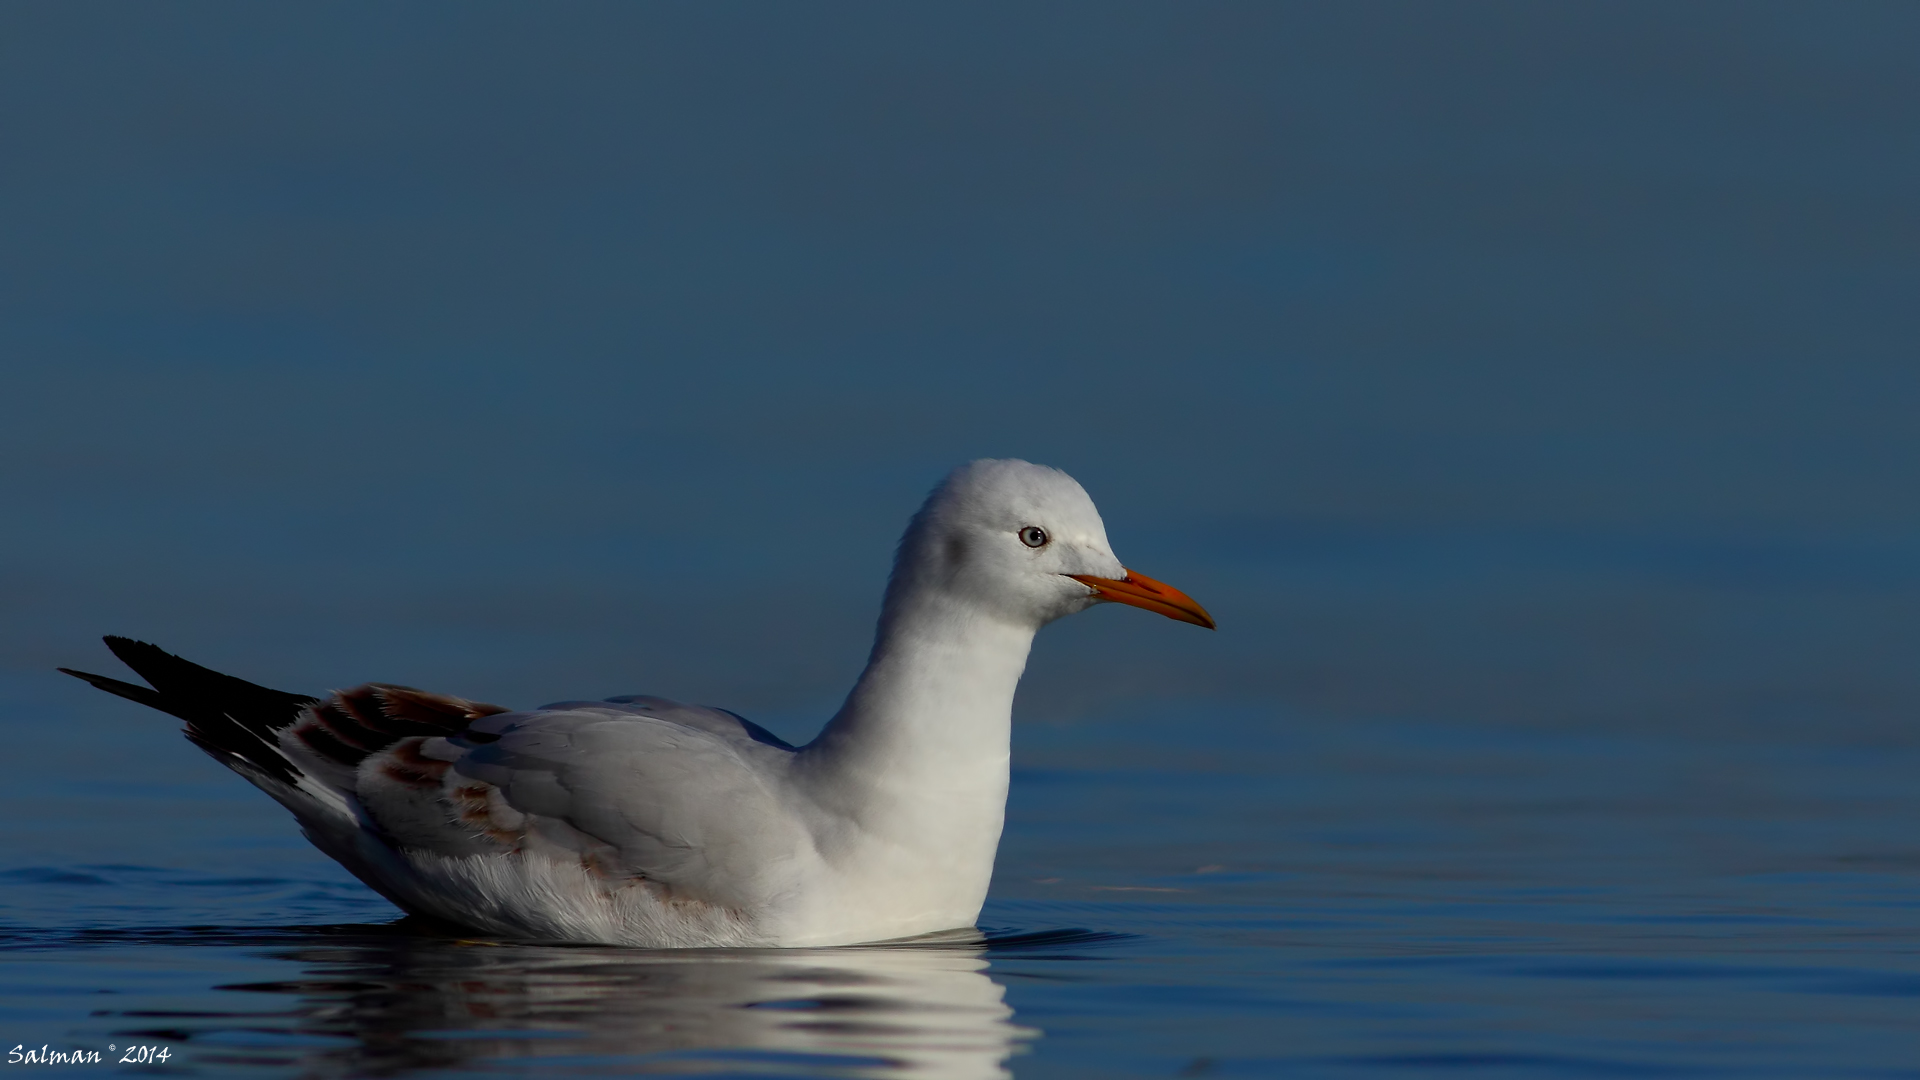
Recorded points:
(664, 799)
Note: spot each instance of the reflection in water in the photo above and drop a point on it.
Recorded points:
(408, 1002)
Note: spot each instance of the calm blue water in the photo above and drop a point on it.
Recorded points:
(1183, 891)
(1529, 390)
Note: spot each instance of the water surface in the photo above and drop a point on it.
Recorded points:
(1185, 891)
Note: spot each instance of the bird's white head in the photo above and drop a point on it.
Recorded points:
(1021, 543)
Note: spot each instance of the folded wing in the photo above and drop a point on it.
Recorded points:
(635, 789)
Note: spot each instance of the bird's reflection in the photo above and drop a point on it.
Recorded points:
(398, 1003)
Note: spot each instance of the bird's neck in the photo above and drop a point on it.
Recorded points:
(926, 730)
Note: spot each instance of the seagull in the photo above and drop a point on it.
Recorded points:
(642, 822)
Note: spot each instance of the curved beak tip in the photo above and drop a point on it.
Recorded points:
(1139, 590)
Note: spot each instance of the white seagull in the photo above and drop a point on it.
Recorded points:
(642, 822)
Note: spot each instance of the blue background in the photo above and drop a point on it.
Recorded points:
(1516, 382)
(550, 351)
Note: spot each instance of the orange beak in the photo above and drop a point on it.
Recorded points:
(1143, 592)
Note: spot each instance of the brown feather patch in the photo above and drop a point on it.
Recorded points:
(342, 721)
(443, 711)
(597, 862)
(470, 803)
(352, 724)
(473, 806)
(319, 728)
(409, 766)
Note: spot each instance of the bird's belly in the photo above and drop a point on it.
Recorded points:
(883, 894)
(536, 898)
(873, 892)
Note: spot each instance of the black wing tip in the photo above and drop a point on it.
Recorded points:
(170, 674)
(127, 649)
(130, 691)
(234, 720)
(86, 675)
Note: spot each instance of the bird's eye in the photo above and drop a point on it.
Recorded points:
(1033, 536)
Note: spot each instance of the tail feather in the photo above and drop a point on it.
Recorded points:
(232, 719)
(145, 696)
